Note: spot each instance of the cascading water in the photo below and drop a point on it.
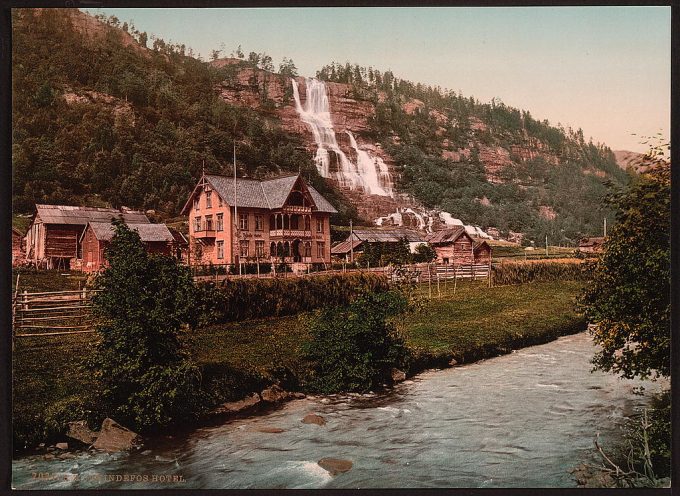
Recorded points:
(369, 174)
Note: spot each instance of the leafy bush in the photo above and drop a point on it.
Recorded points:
(522, 272)
(353, 348)
(239, 299)
(145, 376)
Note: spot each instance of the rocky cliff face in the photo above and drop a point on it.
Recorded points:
(246, 86)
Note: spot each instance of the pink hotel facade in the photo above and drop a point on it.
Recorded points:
(278, 219)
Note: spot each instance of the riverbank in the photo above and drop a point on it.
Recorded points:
(524, 419)
(239, 358)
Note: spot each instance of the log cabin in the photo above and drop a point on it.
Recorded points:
(279, 220)
(482, 252)
(453, 246)
(97, 236)
(52, 240)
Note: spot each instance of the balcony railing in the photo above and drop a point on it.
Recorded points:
(205, 233)
(296, 209)
(289, 233)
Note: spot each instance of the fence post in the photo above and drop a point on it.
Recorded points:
(489, 272)
(473, 271)
(439, 293)
(455, 279)
(429, 282)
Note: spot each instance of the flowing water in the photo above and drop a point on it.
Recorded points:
(368, 174)
(519, 420)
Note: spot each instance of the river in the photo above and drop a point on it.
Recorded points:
(519, 420)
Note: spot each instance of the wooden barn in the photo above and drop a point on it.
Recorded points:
(591, 245)
(454, 246)
(97, 235)
(53, 237)
(18, 252)
(180, 245)
(355, 243)
(482, 252)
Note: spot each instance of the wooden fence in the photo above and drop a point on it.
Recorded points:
(52, 313)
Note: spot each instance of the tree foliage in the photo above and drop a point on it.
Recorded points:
(629, 297)
(146, 302)
(354, 348)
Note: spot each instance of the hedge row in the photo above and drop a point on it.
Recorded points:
(521, 272)
(240, 299)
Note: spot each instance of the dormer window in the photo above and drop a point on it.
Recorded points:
(197, 203)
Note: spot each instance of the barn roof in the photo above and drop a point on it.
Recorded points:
(445, 235)
(345, 246)
(66, 214)
(480, 244)
(387, 235)
(104, 231)
(593, 241)
(268, 194)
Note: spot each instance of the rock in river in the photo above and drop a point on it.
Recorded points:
(398, 375)
(335, 466)
(270, 430)
(238, 406)
(313, 418)
(80, 431)
(115, 437)
(274, 394)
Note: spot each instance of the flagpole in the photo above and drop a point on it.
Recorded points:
(237, 243)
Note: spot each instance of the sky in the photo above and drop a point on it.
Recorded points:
(603, 69)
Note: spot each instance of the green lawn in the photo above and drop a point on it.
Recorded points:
(240, 357)
(35, 281)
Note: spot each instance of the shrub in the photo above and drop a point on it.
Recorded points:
(239, 299)
(353, 348)
(145, 376)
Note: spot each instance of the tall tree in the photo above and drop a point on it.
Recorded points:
(628, 300)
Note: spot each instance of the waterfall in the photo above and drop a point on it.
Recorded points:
(369, 174)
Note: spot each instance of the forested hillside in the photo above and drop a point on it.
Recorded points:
(100, 119)
(487, 163)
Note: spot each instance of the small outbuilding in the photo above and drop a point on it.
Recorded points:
(591, 245)
(453, 246)
(482, 252)
(360, 238)
(97, 235)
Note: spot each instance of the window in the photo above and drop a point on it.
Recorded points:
(259, 223)
(319, 225)
(243, 222)
(197, 224)
(220, 249)
(243, 245)
(219, 201)
(308, 223)
(197, 203)
(259, 248)
(208, 223)
(220, 222)
(320, 250)
(308, 249)
(208, 199)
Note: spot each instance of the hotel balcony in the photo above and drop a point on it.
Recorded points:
(205, 234)
(289, 233)
(296, 209)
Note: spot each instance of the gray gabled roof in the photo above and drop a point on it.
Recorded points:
(104, 231)
(387, 235)
(66, 214)
(268, 194)
(322, 204)
(446, 236)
